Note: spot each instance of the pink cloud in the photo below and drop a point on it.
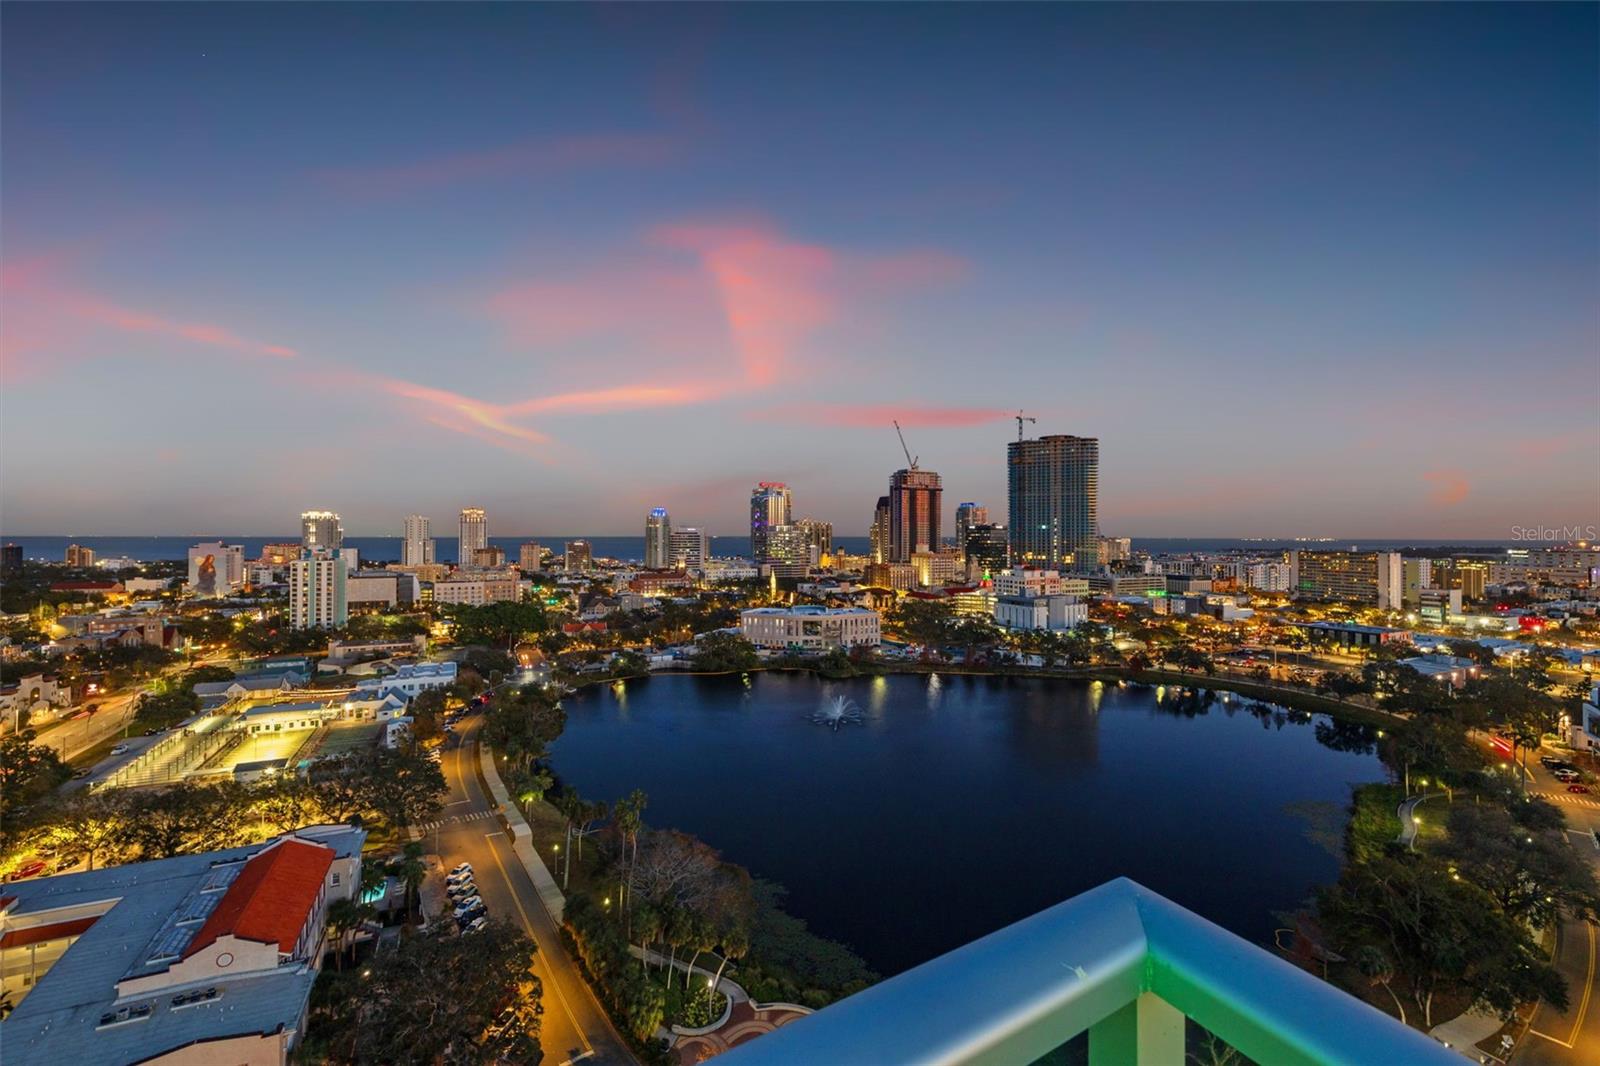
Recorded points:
(876, 416)
(1450, 487)
(530, 157)
(49, 318)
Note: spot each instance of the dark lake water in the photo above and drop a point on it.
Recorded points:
(961, 804)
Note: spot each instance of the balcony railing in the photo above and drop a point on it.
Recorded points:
(1119, 962)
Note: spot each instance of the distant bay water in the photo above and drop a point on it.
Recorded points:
(387, 549)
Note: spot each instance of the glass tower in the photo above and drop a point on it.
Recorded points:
(1054, 489)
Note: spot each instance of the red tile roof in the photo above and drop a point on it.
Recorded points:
(270, 899)
(37, 934)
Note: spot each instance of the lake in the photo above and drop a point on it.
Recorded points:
(960, 804)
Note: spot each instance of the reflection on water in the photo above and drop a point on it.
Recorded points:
(922, 830)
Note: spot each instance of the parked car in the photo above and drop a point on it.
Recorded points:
(465, 867)
(31, 869)
(469, 909)
(476, 925)
(1565, 775)
(459, 875)
(83, 771)
(1578, 788)
(459, 892)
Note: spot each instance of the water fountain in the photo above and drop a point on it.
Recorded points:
(837, 712)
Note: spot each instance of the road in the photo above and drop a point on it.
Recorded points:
(1570, 1038)
(575, 1027)
(76, 735)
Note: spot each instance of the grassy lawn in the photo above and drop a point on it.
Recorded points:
(1374, 825)
(549, 830)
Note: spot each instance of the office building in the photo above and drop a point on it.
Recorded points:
(320, 531)
(1054, 495)
(658, 539)
(11, 559)
(579, 556)
(416, 541)
(79, 557)
(969, 515)
(1055, 613)
(1438, 606)
(688, 548)
(317, 591)
(770, 504)
(810, 628)
(530, 557)
(879, 533)
(1115, 550)
(379, 588)
(198, 959)
(474, 534)
(987, 550)
(915, 498)
(490, 558)
(1371, 578)
(942, 567)
(819, 534)
(216, 569)
(476, 588)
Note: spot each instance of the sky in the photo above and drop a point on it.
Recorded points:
(1304, 270)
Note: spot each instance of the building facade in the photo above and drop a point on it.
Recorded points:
(770, 505)
(879, 533)
(530, 557)
(915, 499)
(474, 533)
(317, 591)
(988, 550)
(688, 549)
(1053, 487)
(79, 557)
(416, 541)
(789, 552)
(216, 569)
(658, 539)
(1374, 578)
(810, 628)
(968, 516)
(477, 588)
(321, 531)
(579, 557)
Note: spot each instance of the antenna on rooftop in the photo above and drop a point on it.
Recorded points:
(1021, 418)
(903, 447)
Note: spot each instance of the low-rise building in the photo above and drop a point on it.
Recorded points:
(1053, 612)
(408, 681)
(811, 628)
(205, 958)
(476, 588)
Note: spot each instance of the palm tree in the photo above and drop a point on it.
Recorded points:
(734, 944)
(344, 915)
(1375, 967)
(411, 872)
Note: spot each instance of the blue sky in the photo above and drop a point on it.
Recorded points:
(1304, 269)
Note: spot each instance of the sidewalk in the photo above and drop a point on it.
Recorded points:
(522, 838)
(1408, 820)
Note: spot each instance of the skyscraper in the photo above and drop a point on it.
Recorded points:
(967, 516)
(880, 531)
(688, 548)
(819, 533)
(789, 551)
(579, 556)
(769, 506)
(530, 557)
(317, 591)
(657, 539)
(321, 530)
(416, 544)
(474, 534)
(1054, 492)
(988, 550)
(914, 501)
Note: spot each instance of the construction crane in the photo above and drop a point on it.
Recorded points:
(903, 447)
(1021, 418)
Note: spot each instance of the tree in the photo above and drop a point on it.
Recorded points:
(404, 787)
(339, 787)
(1444, 935)
(411, 871)
(499, 625)
(91, 824)
(426, 709)
(1535, 876)
(929, 623)
(287, 803)
(522, 723)
(345, 917)
(1434, 745)
(185, 819)
(720, 652)
(28, 771)
(1341, 686)
(1376, 968)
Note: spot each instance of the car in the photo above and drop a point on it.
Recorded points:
(30, 869)
(476, 925)
(82, 772)
(464, 890)
(456, 880)
(1584, 789)
(465, 867)
(1565, 775)
(119, 749)
(1550, 761)
(469, 909)
(458, 874)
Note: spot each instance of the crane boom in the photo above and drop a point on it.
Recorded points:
(1021, 418)
(903, 447)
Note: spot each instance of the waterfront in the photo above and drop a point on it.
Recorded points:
(960, 804)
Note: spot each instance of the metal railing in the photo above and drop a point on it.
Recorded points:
(1120, 962)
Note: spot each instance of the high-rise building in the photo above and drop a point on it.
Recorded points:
(1054, 493)
(657, 539)
(489, 558)
(80, 557)
(215, 569)
(688, 548)
(770, 502)
(11, 559)
(1373, 578)
(789, 552)
(915, 497)
(278, 554)
(317, 591)
(1115, 550)
(416, 544)
(967, 516)
(988, 550)
(880, 531)
(579, 556)
(321, 530)
(819, 533)
(474, 534)
(530, 557)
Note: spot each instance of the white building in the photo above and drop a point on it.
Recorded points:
(476, 588)
(384, 588)
(408, 681)
(1267, 577)
(321, 531)
(811, 628)
(657, 538)
(317, 592)
(1054, 612)
(474, 534)
(688, 548)
(1031, 581)
(216, 569)
(416, 542)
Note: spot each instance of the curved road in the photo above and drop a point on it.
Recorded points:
(575, 1027)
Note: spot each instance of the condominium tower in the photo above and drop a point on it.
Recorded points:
(1054, 493)
(321, 531)
(657, 539)
(474, 534)
(688, 548)
(416, 545)
(914, 502)
(317, 591)
(770, 503)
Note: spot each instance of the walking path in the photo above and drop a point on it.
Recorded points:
(1408, 820)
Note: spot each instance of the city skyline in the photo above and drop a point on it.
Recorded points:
(1320, 271)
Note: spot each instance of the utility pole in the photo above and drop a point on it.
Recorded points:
(1021, 418)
